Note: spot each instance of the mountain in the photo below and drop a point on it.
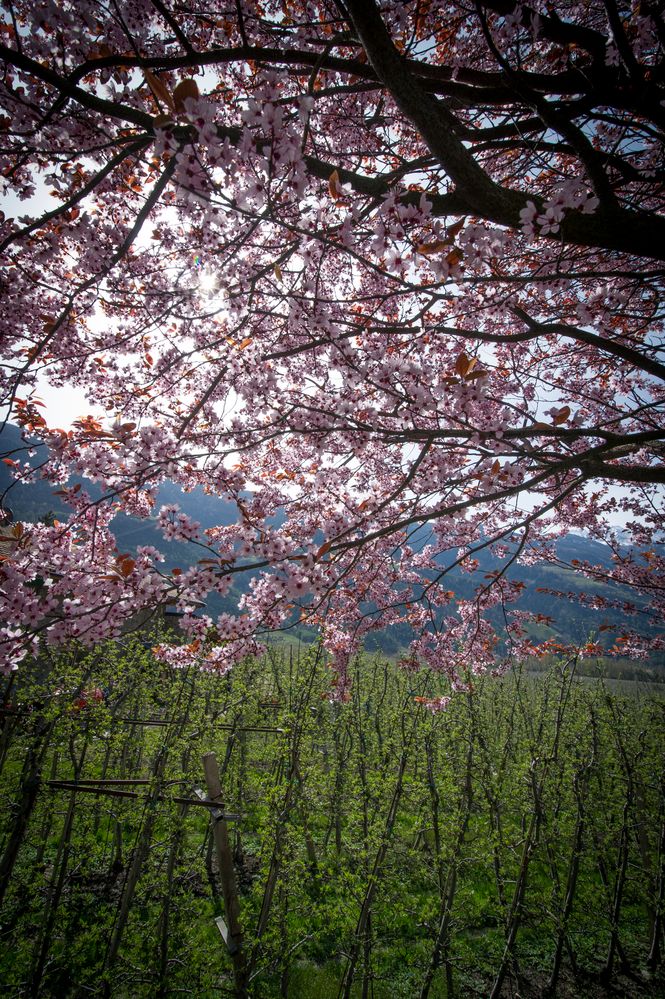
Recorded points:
(35, 500)
(564, 620)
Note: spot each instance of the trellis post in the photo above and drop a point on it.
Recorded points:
(227, 874)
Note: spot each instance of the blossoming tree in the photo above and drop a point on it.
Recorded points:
(392, 268)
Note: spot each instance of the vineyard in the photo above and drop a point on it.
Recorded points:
(166, 832)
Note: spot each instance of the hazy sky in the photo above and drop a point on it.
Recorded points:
(64, 405)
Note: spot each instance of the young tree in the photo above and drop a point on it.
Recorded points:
(390, 267)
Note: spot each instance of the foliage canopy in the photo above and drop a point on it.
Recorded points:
(392, 271)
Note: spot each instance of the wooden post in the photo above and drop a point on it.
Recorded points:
(220, 833)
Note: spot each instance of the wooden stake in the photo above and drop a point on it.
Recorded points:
(227, 875)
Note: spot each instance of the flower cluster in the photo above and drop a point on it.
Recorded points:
(570, 195)
(176, 525)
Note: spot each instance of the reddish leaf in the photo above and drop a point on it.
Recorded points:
(126, 566)
(334, 186)
(185, 89)
(159, 91)
(462, 364)
(323, 549)
(454, 230)
(427, 249)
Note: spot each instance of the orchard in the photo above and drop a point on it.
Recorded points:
(388, 276)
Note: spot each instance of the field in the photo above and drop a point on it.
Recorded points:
(511, 845)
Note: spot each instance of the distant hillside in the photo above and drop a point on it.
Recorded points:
(570, 620)
(35, 500)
